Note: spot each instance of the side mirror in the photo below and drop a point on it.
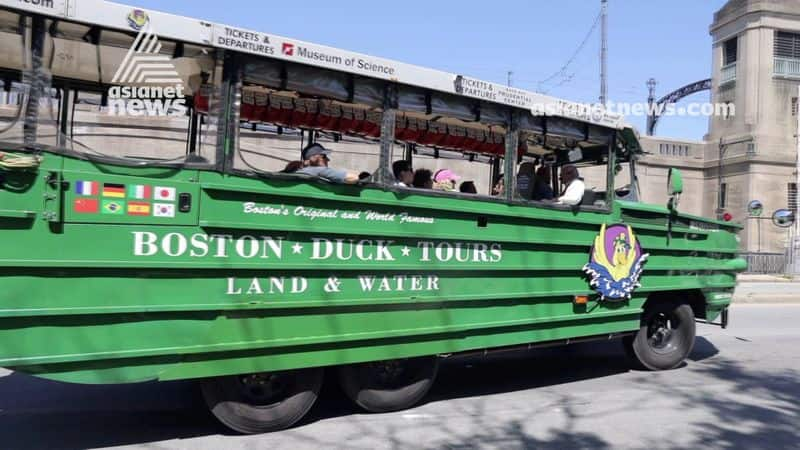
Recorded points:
(675, 188)
(783, 218)
(755, 208)
(675, 182)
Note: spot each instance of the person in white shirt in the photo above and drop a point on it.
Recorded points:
(573, 193)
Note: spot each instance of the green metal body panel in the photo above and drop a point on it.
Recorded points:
(271, 274)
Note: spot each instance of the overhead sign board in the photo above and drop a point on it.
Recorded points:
(283, 48)
(538, 104)
(50, 7)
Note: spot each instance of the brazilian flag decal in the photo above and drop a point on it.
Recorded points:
(114, 207)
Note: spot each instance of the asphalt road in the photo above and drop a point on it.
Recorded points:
(740, 389)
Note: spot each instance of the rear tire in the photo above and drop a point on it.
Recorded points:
(392, 385)
(262, 402)
(666, 336)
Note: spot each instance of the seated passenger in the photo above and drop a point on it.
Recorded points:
(423, 179)
(315, 163)
(499, 186)
(468, 187)
(445, 180)
(403, 173)
(573, 192)
(541, 188)
(292, 167)
(525, 180)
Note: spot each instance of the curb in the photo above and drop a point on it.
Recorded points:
(756, 278)
(766, 298)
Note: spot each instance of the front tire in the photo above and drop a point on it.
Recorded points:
(262, 402)
(393, 385)
(666, 336)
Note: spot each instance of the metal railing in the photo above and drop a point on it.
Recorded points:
(766, 263)
(787, 67)
(727, 74)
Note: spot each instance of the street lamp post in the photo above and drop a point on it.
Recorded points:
(795, 241)
(723, 149)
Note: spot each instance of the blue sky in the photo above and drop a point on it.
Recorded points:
(667, 40)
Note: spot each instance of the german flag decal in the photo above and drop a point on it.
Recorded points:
(113, 190)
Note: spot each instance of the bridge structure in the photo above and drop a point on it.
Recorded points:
(656, 107)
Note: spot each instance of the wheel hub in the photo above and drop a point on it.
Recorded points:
(389, 372)
(660, 333)
(263, 388)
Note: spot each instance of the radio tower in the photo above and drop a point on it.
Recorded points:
(603, 51)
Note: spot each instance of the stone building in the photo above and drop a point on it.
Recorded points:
(756, 67)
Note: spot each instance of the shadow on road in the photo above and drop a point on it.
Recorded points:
(703, 349)
(760, 410)
(36, 413)
(516, 371)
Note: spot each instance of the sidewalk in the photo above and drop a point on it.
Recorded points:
(767, 289)
(758, 278)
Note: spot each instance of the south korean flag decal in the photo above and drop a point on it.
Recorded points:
(163, 210)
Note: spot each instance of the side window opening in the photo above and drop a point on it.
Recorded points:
(285, 107)
(544, 171)
(624, 184)
(12, 110)
(458, 172)
(14, 64)
(148, 120)
(458, 142)
(459, 155)
(534, 179)
(85, 109)
(594, 177)
(284, 110)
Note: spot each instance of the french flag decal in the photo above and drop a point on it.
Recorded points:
(89, 188)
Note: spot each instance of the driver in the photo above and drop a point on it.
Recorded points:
(575, 187)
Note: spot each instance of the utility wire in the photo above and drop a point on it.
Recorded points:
(563, 70)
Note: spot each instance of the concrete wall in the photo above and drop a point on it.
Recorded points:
(761, 167)
(664, 153)
(760, 145)
(768, 183)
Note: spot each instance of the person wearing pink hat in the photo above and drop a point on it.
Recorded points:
(445, 180)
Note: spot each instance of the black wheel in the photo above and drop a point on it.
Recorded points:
(392, 385)
(262, 402)
(627, 344)
(666, 336)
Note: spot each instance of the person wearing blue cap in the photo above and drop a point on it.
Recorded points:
(315, 163)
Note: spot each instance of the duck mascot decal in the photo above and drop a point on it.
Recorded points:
(616, 262)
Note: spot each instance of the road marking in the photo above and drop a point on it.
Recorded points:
(782, 305)
(417, 416)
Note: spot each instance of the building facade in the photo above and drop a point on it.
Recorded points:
(752, 154)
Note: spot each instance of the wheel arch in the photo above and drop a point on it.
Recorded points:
(692, 297)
